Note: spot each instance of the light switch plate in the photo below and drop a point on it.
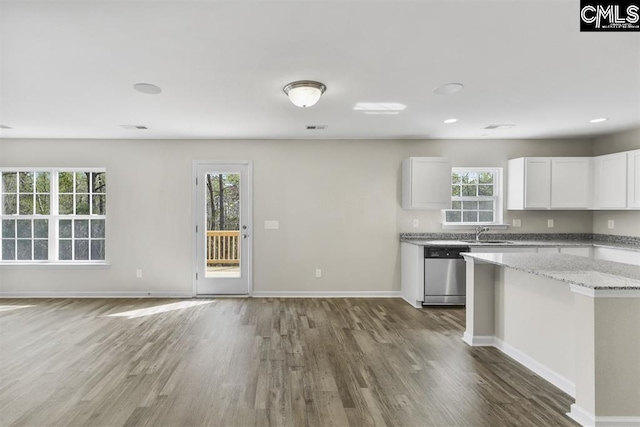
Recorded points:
(416, 223)
(517, 223)
(611, 224)
(271, 225)
(550, 223)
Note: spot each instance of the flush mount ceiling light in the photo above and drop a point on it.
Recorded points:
(448, 89)
(451, 120)
(304, 93)
(599, 120)
(147, 88)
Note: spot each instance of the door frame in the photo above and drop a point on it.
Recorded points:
(194, 219)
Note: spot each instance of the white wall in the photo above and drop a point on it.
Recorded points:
(627, 223)
(338, 203)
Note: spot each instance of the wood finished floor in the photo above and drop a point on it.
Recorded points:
(257, 362)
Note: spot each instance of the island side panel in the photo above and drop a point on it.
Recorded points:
(535, 323)
(617, 357)
(479, 303)
(585, 360)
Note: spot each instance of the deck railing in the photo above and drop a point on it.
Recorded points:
(223, 247)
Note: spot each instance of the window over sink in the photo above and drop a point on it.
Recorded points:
(476, 197)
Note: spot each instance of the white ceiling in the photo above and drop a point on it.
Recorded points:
(67, 69)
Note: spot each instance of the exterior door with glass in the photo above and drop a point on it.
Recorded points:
(223, 228)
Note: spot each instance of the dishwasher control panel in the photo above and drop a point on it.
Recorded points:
(445, 252)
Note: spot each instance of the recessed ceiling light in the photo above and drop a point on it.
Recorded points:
(451, 120)
(138, 127)
(599, 120)
(500, 126)
(448, 89)
(147, 88)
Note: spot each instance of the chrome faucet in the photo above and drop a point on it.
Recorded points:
(479, 231)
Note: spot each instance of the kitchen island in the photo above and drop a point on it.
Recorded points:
(574, 321)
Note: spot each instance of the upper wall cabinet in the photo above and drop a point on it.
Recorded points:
(571, 182)
(426, 183)
(549, 183)
(633, 179)
(529, 183)
(610, 181)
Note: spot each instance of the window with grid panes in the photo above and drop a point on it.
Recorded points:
(53, 215)
(475, 196)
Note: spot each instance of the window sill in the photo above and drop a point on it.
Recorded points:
(474, 226)
(56, 264)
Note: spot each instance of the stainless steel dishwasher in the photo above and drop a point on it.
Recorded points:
(445, 278)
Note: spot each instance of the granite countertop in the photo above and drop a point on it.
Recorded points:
(508, 243)
(522, 241)
(589, 273)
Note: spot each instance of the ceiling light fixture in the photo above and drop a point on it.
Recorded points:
(304, 93)
(599, 120)
(379, 106)
(448, 89)
(451, 120)
(147, 88)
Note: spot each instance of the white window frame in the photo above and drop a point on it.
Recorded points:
(54, 217)
(497, 197)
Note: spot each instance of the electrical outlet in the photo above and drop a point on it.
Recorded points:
(517, 223)
(318, 273)
(550, 223)
(139, 273)
(416, 223)
(611, 224)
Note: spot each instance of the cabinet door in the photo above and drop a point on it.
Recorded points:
(611, 181)
(633, 179)
(583, 252)
(426, 183)
(537, 183)
(571, 182)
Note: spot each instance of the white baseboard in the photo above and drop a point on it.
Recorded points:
(548, 374)
(415, 304)
(478, 341)
(581, 416)
(545, 372)
(162, 294)
(326, 294)
(129, 294)
(587, 419)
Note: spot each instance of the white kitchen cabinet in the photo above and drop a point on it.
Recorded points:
(412, 273)
(500, 249)
(633, 179)
(610, 179)
(549, 183)
(583, 252)
(529, 183)
(617, 255)
(571, 182)
(426, 183)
